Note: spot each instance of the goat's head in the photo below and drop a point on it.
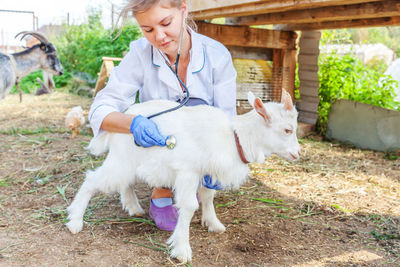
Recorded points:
(48, 60)
(279, 125)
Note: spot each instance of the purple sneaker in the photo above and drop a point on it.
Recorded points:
(165, 218)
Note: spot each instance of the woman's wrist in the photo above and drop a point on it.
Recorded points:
(117, 122)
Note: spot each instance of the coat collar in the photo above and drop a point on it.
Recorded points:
(165, 75)
(197, 55)
(196, 65)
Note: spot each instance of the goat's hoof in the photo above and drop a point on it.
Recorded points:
(182, 254)
(75, 226)
(137, 211)
(214, 226)
(217, 228)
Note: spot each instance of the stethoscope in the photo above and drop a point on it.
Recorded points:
(186, 99)
(171, 140)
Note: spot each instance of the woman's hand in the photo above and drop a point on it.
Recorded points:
(145, 132)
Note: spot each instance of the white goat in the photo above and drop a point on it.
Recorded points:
(205, 145)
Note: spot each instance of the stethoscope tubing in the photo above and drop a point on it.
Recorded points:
(187, 95)
(185, 100)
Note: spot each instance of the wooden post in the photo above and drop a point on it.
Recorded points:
(289, 71)
(105, 71)
(277, 71)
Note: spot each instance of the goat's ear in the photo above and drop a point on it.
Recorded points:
(258, 105)
(286, 100)
(260, 108)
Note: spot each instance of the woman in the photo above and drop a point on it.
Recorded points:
(205, 67)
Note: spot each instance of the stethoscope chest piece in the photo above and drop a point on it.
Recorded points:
(170, 142)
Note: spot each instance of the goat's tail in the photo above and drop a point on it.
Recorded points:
(99, 144)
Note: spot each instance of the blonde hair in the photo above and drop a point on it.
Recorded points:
(138, 6)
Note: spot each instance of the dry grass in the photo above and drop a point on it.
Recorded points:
(337, 206)
(332, 174)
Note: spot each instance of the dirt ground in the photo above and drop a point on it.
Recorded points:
(337, 206)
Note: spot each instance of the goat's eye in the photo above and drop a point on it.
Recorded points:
(288, 131)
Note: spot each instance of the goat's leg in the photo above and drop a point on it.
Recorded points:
(78, 206)
(185, 189)
(19, 91)
(208, 215)
(130, 202)
(114, 174)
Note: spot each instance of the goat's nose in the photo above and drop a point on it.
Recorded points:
(60, 72)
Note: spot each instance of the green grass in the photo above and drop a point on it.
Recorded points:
(340, 208)
(269, 201)
(307, 211)
(376, 219)
(61, 191)
(239, 220)
(116, 220)
(274, 203)
(392, 155)
(40, 130)
(36, 131)
(54, 214)
(156, 246)
(384, 236)
(5, 182)
(232, 203)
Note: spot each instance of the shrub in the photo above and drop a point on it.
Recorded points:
(347, 78)
(28, 83)
(82, 47)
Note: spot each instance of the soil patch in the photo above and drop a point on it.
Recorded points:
(337, 206)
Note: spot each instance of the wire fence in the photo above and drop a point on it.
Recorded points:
(265, 83)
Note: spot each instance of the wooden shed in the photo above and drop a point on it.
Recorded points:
(279, 45)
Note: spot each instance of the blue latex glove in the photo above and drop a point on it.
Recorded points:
(145, 132)
(208, 182)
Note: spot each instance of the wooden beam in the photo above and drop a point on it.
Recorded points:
(248, 37)
(198, 5)
(254, 53)
(208, 9)
(334, 13)
(357, 23)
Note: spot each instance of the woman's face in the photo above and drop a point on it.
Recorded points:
(161, 25)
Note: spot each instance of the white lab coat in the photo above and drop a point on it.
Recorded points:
(210, 77)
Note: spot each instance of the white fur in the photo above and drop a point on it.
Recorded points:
(205, 145)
